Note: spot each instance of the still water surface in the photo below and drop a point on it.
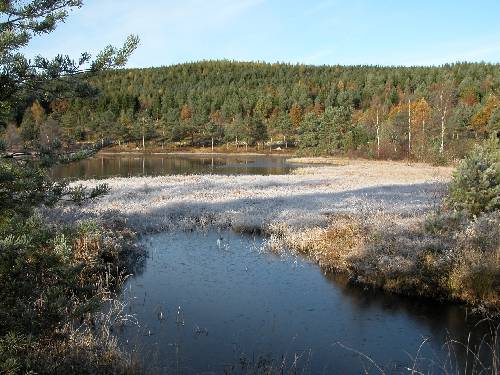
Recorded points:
(127, 165)
(213, 302)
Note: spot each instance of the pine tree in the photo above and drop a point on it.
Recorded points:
(29, 128)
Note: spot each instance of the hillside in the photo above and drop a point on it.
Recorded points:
(376, 111)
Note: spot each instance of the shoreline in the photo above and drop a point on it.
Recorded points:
(219, 150)
(184, 153)
(314, 161)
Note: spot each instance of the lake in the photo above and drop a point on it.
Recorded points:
(128, 165)
(218, 302)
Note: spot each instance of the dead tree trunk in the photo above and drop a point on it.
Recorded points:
(423, 134)
(443, 116)
(409, 128)
(378, 137)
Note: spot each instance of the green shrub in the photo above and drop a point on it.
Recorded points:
(475, 276)
(435, 157)
(475, 186)
(12, 349)
(442, 223)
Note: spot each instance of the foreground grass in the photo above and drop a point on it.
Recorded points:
(54, 281)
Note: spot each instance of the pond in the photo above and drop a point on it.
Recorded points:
(218, 302)
(128, 165)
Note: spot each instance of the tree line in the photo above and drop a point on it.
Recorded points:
(386, 112)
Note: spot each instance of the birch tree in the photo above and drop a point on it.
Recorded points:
(444, 95)
(375, 106)
(421, 114)
(378, 133)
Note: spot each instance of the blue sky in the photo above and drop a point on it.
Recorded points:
(383, 32)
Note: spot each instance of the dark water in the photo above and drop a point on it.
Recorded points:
(206, 305)
(126, 165)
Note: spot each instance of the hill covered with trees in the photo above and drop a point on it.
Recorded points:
(387, 112)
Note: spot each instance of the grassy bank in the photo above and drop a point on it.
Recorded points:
(445, 256)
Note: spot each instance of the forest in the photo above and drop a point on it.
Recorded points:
(420, 113)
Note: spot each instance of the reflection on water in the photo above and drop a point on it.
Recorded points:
(126, 165)
(207, 301)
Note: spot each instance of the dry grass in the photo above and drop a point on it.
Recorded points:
(332, 247)
(476, 275)
(462, 358)
(86, 349)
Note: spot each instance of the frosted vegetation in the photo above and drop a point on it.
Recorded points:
(260, 203)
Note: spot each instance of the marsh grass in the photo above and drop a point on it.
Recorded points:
(294, 364)
(452, 253)
(483, 358)
(480, 357)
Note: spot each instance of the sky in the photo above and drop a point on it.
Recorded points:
(374, 32)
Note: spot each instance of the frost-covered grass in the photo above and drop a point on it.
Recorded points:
(319, 160)
(367, 219)
(303, 200)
